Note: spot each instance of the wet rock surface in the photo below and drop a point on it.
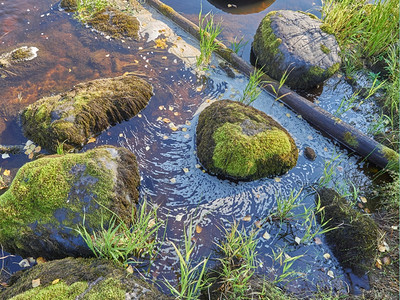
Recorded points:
(240, 142)
(309, 153)
(354, 241)
(51, 196)
(89, 108)
(79, 278)
(287, 40)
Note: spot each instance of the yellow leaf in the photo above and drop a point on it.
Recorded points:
(37, 149)
(166, 120)
(30, 156)
(35, 282)
(257, 224)
(247, 218)
(6, 173)
(173, 180)
(199, 89)
(151, 223)
(171, 108)
(199, 229)
(91, 140)
(55, 281)
(318, 241)
(40, 260)
(327, 256)
(165, 137)
(129, 269)
(176, 113)
(186, 170)
(363, 199)
(164, 57)
(188, 123)
(184, 129)
(288, 115)
(161, 107)
(330, 274)
(277, 179)
(121, 135)
(378, 263)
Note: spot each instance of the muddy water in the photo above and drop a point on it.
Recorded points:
(171, 175)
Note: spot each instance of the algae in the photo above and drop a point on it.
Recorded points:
(350, 139)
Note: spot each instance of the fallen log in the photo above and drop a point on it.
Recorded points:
(339, 130)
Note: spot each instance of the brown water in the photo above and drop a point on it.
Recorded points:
(70, 53)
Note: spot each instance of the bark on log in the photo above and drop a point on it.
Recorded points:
(339, 130)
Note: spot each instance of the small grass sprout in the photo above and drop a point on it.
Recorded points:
(285, 205)
(191, 279)
(122, 243)
(238, 45)
(209, 31)
(252, 90)
(282, 81)
(286, 262)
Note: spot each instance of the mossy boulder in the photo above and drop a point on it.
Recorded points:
(355, 240)
(89, 108)
(79, 278)
(240, 142)
(51, 196)
(287, 40)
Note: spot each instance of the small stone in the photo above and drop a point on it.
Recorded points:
(309, 153)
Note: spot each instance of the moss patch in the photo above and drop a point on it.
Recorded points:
(240, 142)
(115, 23)
(350, 139)
(325, 49)
(98, 279)
(53, 194)
(393, 159)
(86, 110)
(355, 240)
(69, 5)
(21, 54)
(327, 28)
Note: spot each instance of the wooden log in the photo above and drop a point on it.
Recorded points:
(339, 130)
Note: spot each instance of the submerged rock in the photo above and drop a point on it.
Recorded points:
(287, 40)
(240, 142)
(309, 153)
(51, 196)
(89, 108)
(355, 240)
(18, 55)
(79, 278)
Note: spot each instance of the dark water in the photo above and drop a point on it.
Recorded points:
(171, 176)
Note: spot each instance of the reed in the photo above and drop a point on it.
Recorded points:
(252, 90)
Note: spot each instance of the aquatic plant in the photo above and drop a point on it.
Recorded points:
(285, 205)
(282, 81)
(252, 90)
(238, 261)
(208, 31)
(85, 9)
(191, 279)
(238, 45)
(124, 243)
(286, 262)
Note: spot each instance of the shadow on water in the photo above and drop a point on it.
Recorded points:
(242, 7)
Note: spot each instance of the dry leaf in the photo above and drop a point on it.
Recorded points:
(164, 57)
(91, 140)
(28, 151)
(6, 172)
(35, 282)
(184, 129)
(378, 263)
(171, 108)
(330, 274)
(37, 149)
(165, 137)
(161, 107)
(382, 248)
(288, 115)
(179, 217)
(188, 123)
(166, 120)
(297, 240)
(363, 199)
(197, 166)
(318, 241)
(40, 260)
(386, 260)
(129, 269)
(247, 218)
(30, 156)
(176, 113)
(199, 229)
(266, 235)
(55, 281)
(173, 180)
(159, 118)
(327, 256)
(199, 89)
(151, 223)
(186, 170)
(277, 179)
(258, 224)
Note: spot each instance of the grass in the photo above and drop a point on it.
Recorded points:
(191, 279)
(286, 262)
(209, 31)
(252, 91)
(122, 243)
(285, 206)
(238, 262)
(87, 8)
(282, 81)
(238, 45)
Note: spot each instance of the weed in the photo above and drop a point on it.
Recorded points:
(87, 8)
(329, 171)
(285, 206)
(191, 279)
(60, 148)
(282, 81)
(346, 104)
(238, 261)
(122, 243)
(209, 32)
(238, 46)
(378, 126)
(287, 262)
(252, 91)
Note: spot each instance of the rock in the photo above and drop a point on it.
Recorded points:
(309, 153)
(240, 142)
(18, 55)
(354, 242)
(89, 108)
(288, 40)
(79, 278)
(50, 197)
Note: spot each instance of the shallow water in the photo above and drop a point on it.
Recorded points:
(171, 175)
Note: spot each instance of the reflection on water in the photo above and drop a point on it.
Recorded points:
(241, 7)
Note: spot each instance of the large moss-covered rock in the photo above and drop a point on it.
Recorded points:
(355, 239)
(51, 196)
(240, 142)
(79, 278)
(288, 40)
(89, 108)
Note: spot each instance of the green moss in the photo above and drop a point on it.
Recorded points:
(355, 239)
(109, 289)
(166, 10)
(69, 5)
(242, 156)
(350, 139)
(392, 157)
(240, 142)
(59, 291)
(116, 23)
(333, 69)
(75, 116)
(21, 54)
(325, 49)
(327, 28)
(312, 16)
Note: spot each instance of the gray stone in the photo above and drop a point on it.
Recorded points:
(288, 40)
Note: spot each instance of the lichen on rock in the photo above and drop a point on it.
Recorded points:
(89, 108)
(354, 240)
(291, 41)
(240, 142)
(51, 196)
(79, 278)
